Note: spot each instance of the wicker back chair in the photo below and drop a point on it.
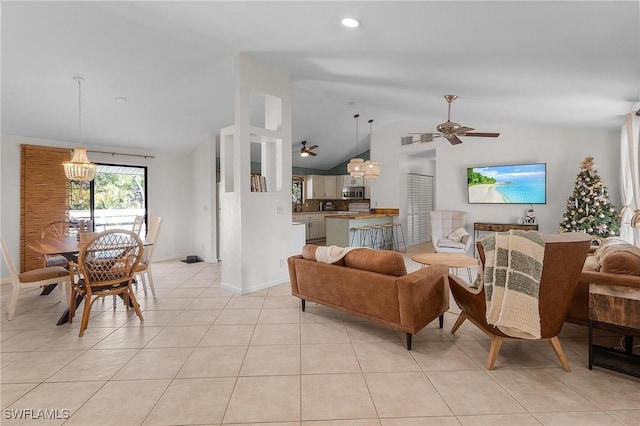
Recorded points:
(107, 265)
(57, 229)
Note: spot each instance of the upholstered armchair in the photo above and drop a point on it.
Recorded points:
(443, 225)
(564, 256)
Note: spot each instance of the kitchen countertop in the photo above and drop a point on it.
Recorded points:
(360, 215)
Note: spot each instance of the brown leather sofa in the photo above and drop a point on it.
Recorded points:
(610, 264)
(373, 284)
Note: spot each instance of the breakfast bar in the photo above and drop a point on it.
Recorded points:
(340, 228)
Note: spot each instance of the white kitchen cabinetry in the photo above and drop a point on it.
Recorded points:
(319, 187)
(311, 223)
(330, 189)
(348, 180)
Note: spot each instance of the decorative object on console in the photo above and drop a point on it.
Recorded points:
(588, 208)
(371, 167)
(530, 218)
(79, 169)
(356, 164)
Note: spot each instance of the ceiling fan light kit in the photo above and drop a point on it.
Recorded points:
(306, 151)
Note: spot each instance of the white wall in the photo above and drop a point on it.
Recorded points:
(256, 226)
(169, 191)
(203, 200)
(396, 161)
(561, 149)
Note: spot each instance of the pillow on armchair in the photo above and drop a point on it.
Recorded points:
(460, 235)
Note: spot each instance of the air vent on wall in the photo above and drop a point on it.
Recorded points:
(406, 140)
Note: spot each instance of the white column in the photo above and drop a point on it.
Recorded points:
(256, 226)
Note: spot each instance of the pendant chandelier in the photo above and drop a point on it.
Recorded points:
(371, 167)
(79, 169)
(356, 165)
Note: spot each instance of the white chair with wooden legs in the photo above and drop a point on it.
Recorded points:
(138, 221)
(143, 270)
(34, 278)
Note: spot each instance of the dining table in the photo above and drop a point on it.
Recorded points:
(69, 247)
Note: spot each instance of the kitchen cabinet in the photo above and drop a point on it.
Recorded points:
(321, 187)
(312, 225)
(348, 180)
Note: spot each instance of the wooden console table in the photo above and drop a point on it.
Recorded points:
(615, 307)
(500, 227)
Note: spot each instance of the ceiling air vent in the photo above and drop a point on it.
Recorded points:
(406, 140)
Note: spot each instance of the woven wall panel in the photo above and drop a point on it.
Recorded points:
(44, 196)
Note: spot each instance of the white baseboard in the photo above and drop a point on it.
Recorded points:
(252, 289)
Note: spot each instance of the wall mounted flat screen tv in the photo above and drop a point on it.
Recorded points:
(512, 184)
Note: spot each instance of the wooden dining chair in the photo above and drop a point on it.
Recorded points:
(107, 264)
(144, 268)
(34, 278)
(138, 221)
(57, 229)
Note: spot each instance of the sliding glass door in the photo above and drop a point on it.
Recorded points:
(112, 200)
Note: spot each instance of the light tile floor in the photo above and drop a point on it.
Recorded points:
(204, 356)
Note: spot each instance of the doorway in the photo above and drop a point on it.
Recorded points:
(419, 204)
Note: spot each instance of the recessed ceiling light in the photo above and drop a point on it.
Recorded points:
(350, 22)
(121, 100)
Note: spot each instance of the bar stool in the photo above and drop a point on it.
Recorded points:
(359, 235)
(387, 233)
(397, 233)
(377, 235)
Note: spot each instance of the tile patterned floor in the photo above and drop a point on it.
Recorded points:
(204, 356)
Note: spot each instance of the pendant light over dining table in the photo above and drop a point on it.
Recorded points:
(79, 169)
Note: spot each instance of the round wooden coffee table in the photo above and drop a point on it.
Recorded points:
(452, 260)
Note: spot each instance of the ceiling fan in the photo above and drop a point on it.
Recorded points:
(450, 130)
(307, 151)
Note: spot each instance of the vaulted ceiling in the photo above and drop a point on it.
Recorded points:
(539, 63)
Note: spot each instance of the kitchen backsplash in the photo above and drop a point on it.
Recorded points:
(314, 205)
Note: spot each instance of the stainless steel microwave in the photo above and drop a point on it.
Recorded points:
(353, 193)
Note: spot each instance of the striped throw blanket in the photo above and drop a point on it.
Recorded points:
(513, 267)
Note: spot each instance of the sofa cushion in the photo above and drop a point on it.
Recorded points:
(380, 261)
(621, 262)
(616, 256)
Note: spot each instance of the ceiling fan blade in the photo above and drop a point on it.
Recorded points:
(454, 140)
(313, 146)
(462, 130)
(483, 135)
(313, 154)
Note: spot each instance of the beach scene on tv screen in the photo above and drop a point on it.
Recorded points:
(517, 184)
